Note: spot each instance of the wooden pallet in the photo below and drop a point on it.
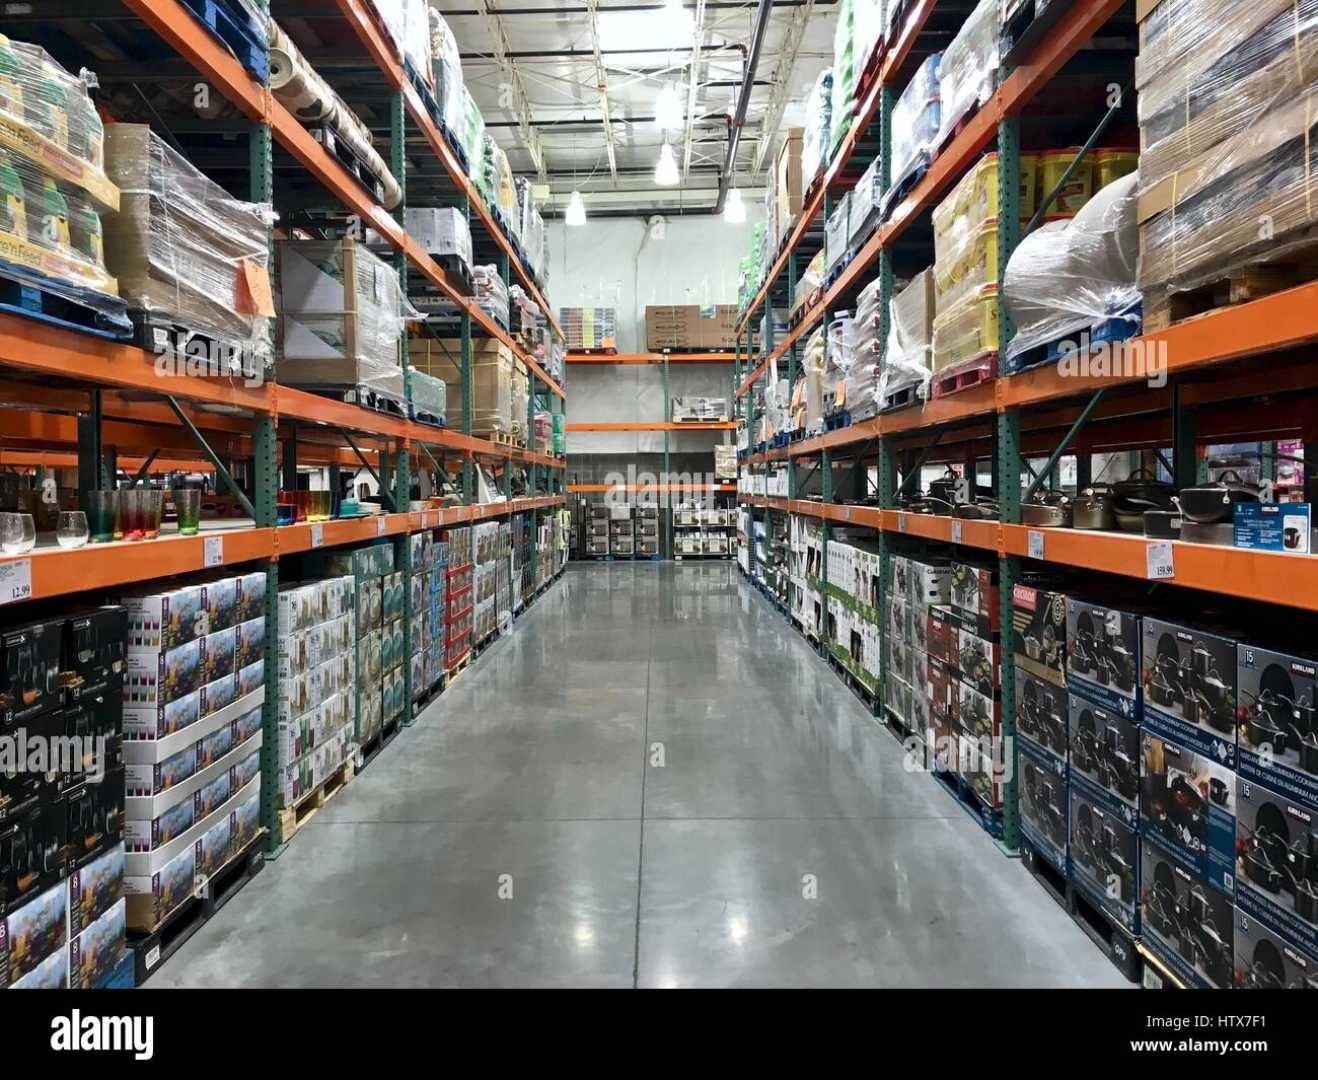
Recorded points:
(1046, 873)
(293, 819)
(964, 376)
(903, 398)
(243, 37)
(104, 316)
(722, 418)
(456, 670)
(595, 352)
(347, 156)
(200, 350)
(1236, 287)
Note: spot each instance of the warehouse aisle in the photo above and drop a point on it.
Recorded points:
(653, 783)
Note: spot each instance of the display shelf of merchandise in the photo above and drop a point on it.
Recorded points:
(652, 358)
(597, 489)
(686, 425)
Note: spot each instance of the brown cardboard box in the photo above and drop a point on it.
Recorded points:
(788, 192)
(492, 374)
(690, 327)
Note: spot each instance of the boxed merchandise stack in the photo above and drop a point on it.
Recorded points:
(492, 376)
(789, 192)
(622, 531)
(491, 293)
(690, 327)
(1104, 693)
(342, 313)
(865, 207)
(442, 231)
(410, 26)
(837, 233)
(437, 610)
(54, 186)
(503, 580)
(968, 69)
(459, 598)
(366, 568)
(61, 832)
(190, 260)
(854, 619)
(707, 409)
(597, 529)
(422, 560)
(589, 328)
(193, 690)
(485, 580)
(647, 531)
(393, 690)
(1230, 182)
(318, 682)
(927, 686)
(446, 77)
(845, 74)
(974, 661)
(1187, 790)
(908, 354)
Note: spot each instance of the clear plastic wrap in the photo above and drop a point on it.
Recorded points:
(908, 355)
(1068, 276)
(837, 231)
(812, 378)
(870, 17)
(866, 203)
(915, 120)
(343, 315)
(839, 360)
(182, 247)
(446, 69)
(968, 72)
(473, 137)
(843, 94)
(52, 180)
(491, 293)
(809, 281)
(1229, 167)
(440, 230)
(818, 124)
(427, 394)
(492, 371)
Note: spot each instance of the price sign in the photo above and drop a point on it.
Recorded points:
(317, 535)
(901, 521)
(1160, 564)
(1035, 539)
(956, 531)
(379, 525)
(212, 551)
(15, 581)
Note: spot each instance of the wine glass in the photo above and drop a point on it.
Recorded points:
(71, 530)
(18, 533)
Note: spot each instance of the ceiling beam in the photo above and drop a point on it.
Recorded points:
(782, 80)
(602, 85)
(693, 84)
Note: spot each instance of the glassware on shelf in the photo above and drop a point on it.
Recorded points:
(101, 515)
(187, 502)
(18, 533)
(71, 530)
(119, 508)
(134, 513)
(285, 511)
(153, 509)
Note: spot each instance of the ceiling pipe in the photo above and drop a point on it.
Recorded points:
(762, 14)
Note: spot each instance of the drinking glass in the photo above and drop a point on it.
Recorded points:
(119, 507)
(100, 515)
(187, 501)
(286, 512)
(134, 513)
(71, 529)
(18, 533)
(153, 509)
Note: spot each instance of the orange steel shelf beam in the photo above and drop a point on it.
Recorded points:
(652, 358)
(55, 459)
(599, 489)
(692, 425)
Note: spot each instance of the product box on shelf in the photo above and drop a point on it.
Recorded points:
(95, 888)
(95, 643)
(219, 694)
(249, 642)
(1044, 801)
(155, 896)
(1105, 749)
(32, 933)
(1105, 853)
(1039, 637)
(157, 678)
(167, 619)
(1277, 861)
(33, 852)
(97, 951)
(1264, 960)
(974, 597)
(1277, 711)
(1042, 715)
(941, 634)
(213, 847)
(245, 822)
(930, 582)
(1189, 679)
(1186, 923)
(978, 715)
(1103, 655)
(977, 660)
(157, 722)
(220, 600)
(251, 596)
(30, 673)
(218, 654)
(1188, 807)
(95, 818)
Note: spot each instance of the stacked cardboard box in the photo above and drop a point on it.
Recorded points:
(647, 530)
(622, 531)
(788, 188)
(691, 327)
(854, 620)
(926, 695)
(485, 580)
(597, 529)
(459, 600)
(589, 328)
(493, 371)
(974, 664)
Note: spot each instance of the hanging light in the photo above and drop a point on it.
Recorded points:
(665, 172)
(668, 112)
(734, 210)
(576, 210)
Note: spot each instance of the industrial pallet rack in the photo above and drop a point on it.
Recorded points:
(103, 406)
(1217, 389)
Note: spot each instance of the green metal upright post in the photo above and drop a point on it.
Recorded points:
(403, 564)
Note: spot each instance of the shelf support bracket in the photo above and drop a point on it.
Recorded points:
(1046, 471)
(213, 457)
(385, 493)
(919, 463)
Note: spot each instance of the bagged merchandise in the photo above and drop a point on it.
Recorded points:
(440, 231)
(410, 24)
(818, 125)
(837, 231)
(343, 315)
(446, 73)
(865, 206)
(184, 250)
(1226, 112)
(473, 139)
(843, 94)
(840, 358)
(53, 185)
(491, 293)
(908, 354)
(1070, 276)
(968, 71)
(915, 127)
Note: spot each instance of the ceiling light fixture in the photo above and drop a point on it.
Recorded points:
(665, 171)
(669, 115)
(576, 210)
(734, 210)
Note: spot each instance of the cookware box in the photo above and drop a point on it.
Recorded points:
(1039, 632)
(1277, 862)
(1105, 854)
(1041, 716)
(1105, 748)
(1044, 799)
(1188, 925)
(1188, 806)
(1267, 961)
(1188, 676)
(1276, 704)
(1103, 655)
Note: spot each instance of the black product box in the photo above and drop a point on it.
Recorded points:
(1041, 714)
(1277, 862)
(1277, 710)
(1044, 801)
(1103, 655)
(30, 681)
(1189, 678)
(95, 888)
(975, 599)
(1105, 748)
(978, 659)
(33, 852)
(96, 818)
(1267, 961)
(32, 933)
(94, 646)
(1105, 852)
(1039, 638)
(1188, 924)
(1188, 805)
(979, 716)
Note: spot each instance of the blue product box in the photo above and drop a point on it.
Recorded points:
(1041, 715)
(1105, 852)
(1188, 806)
(1044, 803)
(1267, 961)
(1189, 677)
(1105, 748)
(1103, 655)
(96, 952)
(1277, 713)
(1283, 527)
(1277, 862)
(1187, 924)
(95, 888)
(33, 932)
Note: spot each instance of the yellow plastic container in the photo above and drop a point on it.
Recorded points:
(967, 331)
(975, 200)
(1079, 189)
(971, 265)
(1112, 164)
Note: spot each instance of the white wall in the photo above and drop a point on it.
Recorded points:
(617, 263)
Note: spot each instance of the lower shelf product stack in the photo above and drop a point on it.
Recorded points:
(460, 601)
(647, 531)
(853, 611)
(437, 611)
(485, 539)
(597, 529)
(622, 532)
(503, 577)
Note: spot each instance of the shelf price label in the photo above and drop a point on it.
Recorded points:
(901, 521)
(1035, 540)
(15, 581)
(380, 523)
(317, 535)
(212, 551)
(956, 531)
(1161, 565)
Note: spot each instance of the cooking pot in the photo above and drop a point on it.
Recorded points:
(944, 487)
(979, 510)
(1141, 491)
(1051, 510)
(1211, 503)
(1093, 509)
(931, 504)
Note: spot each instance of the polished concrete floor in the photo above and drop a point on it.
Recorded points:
(653, 783)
